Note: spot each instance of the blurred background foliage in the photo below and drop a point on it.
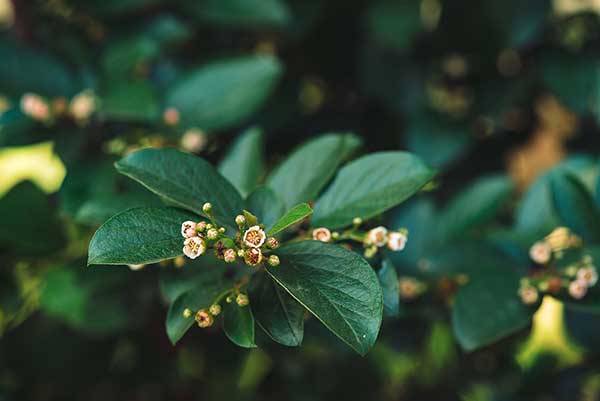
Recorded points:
(493, 94)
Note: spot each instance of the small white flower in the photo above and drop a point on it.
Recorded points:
(540, 252)
(396, 241)
(83, 105)
(194, 247)
(188, 229)
(529, 295)
(254, 237)
(229, 255)
(588, 275)
(321, 234)
(578, 289)
(194, 140)
(377, 236)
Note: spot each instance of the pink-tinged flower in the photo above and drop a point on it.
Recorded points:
(321, 234)
(83, 105)
(377, 236)
(229, 255)
(212, 233)
(194, 140)
(396, 241)
(529, 295)
(588, 275)
(578, 289)
(194, 247)
(171, 116)
(540, 252)
(254, 237)
(35, 106)
(272, 243)
(204, 318)
(242, 300)
(253, 256)
(188, 229)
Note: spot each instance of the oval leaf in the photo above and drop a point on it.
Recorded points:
(369, 186)
(185, 180)
(294, 215)
(222, 94)
(337, 286)
(309, 168)
(139, 236)
(238, 324)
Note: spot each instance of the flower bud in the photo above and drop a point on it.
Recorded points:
(588, 275)
(370, 252)
(357, 221)
(229, 299)
(529, 295)
(201, 226)
(540, 252)
(171, 116)
(136, 267)
(212, 234)
(272, 243)
(396, 241)
(229, 255)
(83, 105)
(254, 237)
(207, 208)
(242, 300)
(35, 107)
(194, 247)
(321, 234)
(240, 253)
(252, 256)
(187, 313)
(377, 236)
(204, 319)
(193, 140)
(215, 309)
(578, 289)
(221, 230)
(273, 260)
(409, 288)
(240, 220)
(188, 229)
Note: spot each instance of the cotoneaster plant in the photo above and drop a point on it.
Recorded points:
(256, 252)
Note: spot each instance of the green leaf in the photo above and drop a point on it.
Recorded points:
(201, 297)
(130, 101)
(266, 205)
(243, 165)
(223, 94)
(575, 206)
(23, 209)
(139, 236)
(309, 168)
(276, 312)
(389, 286)
(293, 216)
(477, 205)
(185, 180)
(241, 13)
(369, 186)
(394, 23)
(238, 324)
(251, 219)
(488, 308)
(337, 286)
(16, 128)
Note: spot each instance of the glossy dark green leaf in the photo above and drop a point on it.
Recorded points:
(224, 93)
(337, 286)
(238, 324)
(200, 297)
(244, 164)
(478, 204)
(266, 205)
(130, 101)
(139, 236)
(238, 14)
(389, 286)
(369, 186)
(575, 206)
(23, 207)
(488, 308)
(186, 180)
(276, 312)
(301, 176)
(292, 216)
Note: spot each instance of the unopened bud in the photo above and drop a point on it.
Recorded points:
(229, 255)
(357, 221)
(215, 309)
(242, 300)
(171, 116)
(207, 208)
(187, 313)
(229, 299)
(272, 243)
(240, 253)
(201, 226)
(240, 220)
(212, 234)
(221, 230)
(273, 260)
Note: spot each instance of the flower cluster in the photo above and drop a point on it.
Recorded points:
(250, 243)
(372, 240)
(206, 317)
(576, 278)
(80, 108)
